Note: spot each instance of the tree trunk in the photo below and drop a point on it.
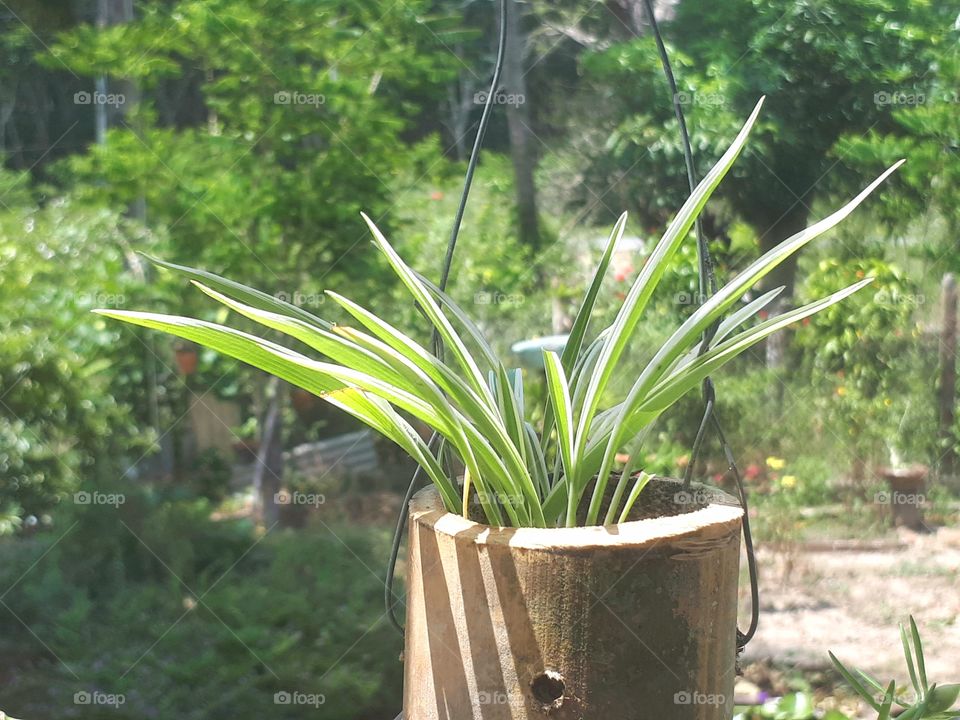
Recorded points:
(518, 124)
(785, 275)
(636, 621)
(461, 102)
(268, 471)
(791, 222)
(948, 380)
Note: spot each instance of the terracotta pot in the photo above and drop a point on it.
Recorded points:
(187, 360)
(303, 401)
(636, 620)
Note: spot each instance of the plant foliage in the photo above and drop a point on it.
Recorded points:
(519, 476)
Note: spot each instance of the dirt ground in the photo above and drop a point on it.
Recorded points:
(850, 599)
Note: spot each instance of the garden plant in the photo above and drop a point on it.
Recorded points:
(564, 477)
(520, 477)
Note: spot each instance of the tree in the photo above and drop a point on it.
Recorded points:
(67, 382)
(820, 64)
(263, 129)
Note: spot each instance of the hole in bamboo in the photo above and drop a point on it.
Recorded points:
(547, 688)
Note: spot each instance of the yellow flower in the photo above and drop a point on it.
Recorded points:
(776, 463)
(789, 481)
(841, 391)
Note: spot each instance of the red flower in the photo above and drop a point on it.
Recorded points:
(623, 273)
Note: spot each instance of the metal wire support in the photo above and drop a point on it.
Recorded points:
(708, 286)
(435, 442)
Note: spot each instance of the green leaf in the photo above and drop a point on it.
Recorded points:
(474, 332)
(250, 296)
(433, 312)
(563, 412)
(887, 705)
(571, 350)
(638, 486)
(667, 392)
(711, 310)
(654, 268)
(918, 648)
(311, 375)
(908, 654)
(854, 683)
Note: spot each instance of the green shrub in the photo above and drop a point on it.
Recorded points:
(189, 618)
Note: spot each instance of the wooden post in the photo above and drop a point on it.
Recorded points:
(948, 380)
(635, 620)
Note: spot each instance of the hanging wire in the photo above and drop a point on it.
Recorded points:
(708, 286)
(436, 444)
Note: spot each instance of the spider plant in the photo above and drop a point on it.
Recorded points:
(929, 702)
(519, 475)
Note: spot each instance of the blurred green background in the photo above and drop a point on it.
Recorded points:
(145, 569)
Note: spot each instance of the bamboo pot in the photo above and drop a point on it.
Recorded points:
(636, 620)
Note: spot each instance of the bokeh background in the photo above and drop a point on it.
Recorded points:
(181, 536)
